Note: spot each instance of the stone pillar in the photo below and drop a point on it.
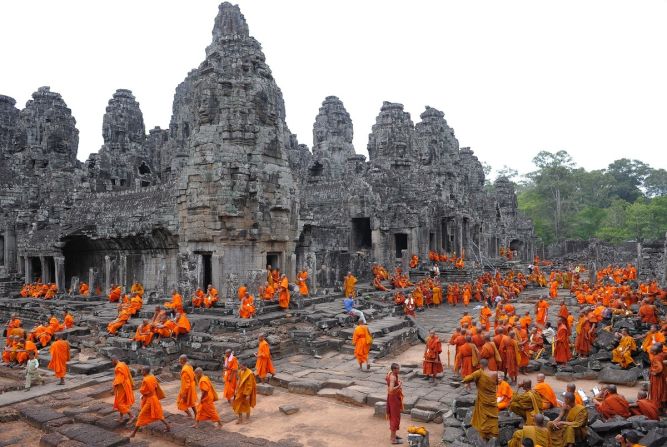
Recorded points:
(459, 235)
(639, 259)
(311, 265)
(3, 255)
(107, 274)
(46, 274)
(200, 272)
(59, 262)
(122, 272)
(92, 281)
(292, 266)
(664, 265)
(28, 269)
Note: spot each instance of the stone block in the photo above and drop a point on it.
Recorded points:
(602, 355)
(466, 400)
(548, 369)
(86, 418)
(39, 416)
(51, 440)
(430, 405)
(8, 415)
(380, 409)
(310, 387)
(288, 409)
(337, 383)
(564, 376)
(282, 379)
(110, 422)
(643, 423)
(350, 396)
(92, 435)
(605, 340)
(451, 434)
(451, 422)
(88, 368)
(612, 426)
(327, 392)
(505, 433)
(373, 398)
(655, 438)
(264, 389)
(618, 376)
(422, 415)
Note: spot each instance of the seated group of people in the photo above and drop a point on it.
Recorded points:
(39, 290)
(19, 343)
(163, 326)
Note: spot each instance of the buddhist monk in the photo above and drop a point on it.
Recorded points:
(509, 351)
(264, 365)
(362, 341)
(206, 410)
(116, 324)
(123, 389)
(646, 407)
(394, 401)
(230, 374)
(658, 376)
(187, 396)
(583, 344)
(489, 352)
(541, 312)
(503, 393)
(136, 303)
(151, 409)
(570, 426)
(538, 433)
(629, 438)
(647, 313)
(23, 356)
(137, 287)
(561, 347)
(572, 388)
(247, 308)
(68, 320)
(301, 279)
(283, 293)
(546, 393)
(176, 303)
(613, 404)
(653, 336)
(349, 285)
(467, 358)
(211, 296)
(144, 334)
(241, 291)
(114, 294)
(526, 404)
(485, 412)
(84, 290)
(485, 317)
(246, 393)
(622, 354)
(437, 294)
(59, 357)
(198, 298)
(432, 364)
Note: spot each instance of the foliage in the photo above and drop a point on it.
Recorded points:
(627, 200)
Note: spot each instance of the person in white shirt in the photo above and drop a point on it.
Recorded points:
(548, 333)
(32, 371)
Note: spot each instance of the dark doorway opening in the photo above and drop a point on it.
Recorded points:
(207, 270)
(273, 259)
(36, 269)
(144, 169)
(50, 269)
(466, 229)
(401, 243)
(431, 241)
(2, 250)
(360, 236)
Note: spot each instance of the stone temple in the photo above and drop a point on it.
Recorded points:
(227, 189)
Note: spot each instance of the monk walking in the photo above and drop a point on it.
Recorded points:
(485, 412)
(246, 393)
(394, 402)
(187, 396)
(230, 374)
(206, 410)
(151, 409)
(432, 364)
(658, 376)
(59, 357)
(349, 284)
(562, 353)
(123, 389)
(264, 365)
(362, 341)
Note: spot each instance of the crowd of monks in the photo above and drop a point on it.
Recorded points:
(443, 258)
(39, 290)
(197, 394)
(493, 361)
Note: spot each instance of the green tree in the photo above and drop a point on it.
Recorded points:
(614, 226)
(628, 176)
(655, 183)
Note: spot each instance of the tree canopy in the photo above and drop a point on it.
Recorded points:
(625, 201)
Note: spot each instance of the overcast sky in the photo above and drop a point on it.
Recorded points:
(513, 77)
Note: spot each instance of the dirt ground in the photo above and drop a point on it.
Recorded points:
(19, 434)
(320, 422)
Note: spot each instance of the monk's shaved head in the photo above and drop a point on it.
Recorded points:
(145, 370)
(569, 398)
(199, 372)
(484, 363)
(571, 387)
(540, 378)
(539, 419)
(612, 389)
(182, 359)
(642, 395)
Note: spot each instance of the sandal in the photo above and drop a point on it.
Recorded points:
(397, 441)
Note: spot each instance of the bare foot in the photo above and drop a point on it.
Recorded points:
(194, 426)
(238, 421)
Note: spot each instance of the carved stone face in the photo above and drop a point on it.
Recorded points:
(206, 109)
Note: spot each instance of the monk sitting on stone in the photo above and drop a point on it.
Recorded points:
(612, 404)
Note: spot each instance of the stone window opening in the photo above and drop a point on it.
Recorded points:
(273, 259)
(360, 236)
(401, 243)
(316, 169)
(144, 169)
(145, 183)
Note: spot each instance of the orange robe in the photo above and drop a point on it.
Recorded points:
(187, 396)
(241, 292)
(509, 351)
(432, 364)
(437, 295)
(658, 379)
(414, 261)
(489, 352)
(68, 321)
(467, 359)
(301, 282)
(648, 408)
(485, 317)
(211, 298)
(647, 314)
(283, 296)
(264, 364)
(548, 396)
(349, 286)
(245, 397)
(59, 358)
(123, 388)
(504, 395)
(144, 334)
(206, 410)
(362, 341)
(116, 324)
(541, 315)
(151, 409)
(22, 357)
(247, 309)
(114, 295)
(84, 289)
(230, 376)
(198, 299)
(562, 353)
(614, 404)
(268, 292)
(176, 303)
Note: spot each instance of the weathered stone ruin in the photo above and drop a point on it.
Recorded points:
(227, 189)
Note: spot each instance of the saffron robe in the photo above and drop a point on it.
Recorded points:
(485, 412)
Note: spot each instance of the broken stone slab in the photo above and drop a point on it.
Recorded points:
(548, 369)
(451, 422)
(655, 438)
(602, 355)
(310, 387)
(451, 434)
(509, 419)
(282, 380)
(288, 409)
(88, 368)
(52, 440)
(264, 389)
(466, 400)
(505, 433)
(8, 415)
(86, 418)
(110, 422)
(351, 396)
(380, 409)
(605, 340)
(409, 403)
(473, 437)
(337, 383)
(564, 376)
(618, 376)
(39, 416)
(585, 375)
(422, 415)
(373, 398)
(612, 426)
(430, 405)
(643, 423)
(92, 435)
(592, 438)
(327, 392)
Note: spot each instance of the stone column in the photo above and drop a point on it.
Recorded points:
(91, 281)
(28, 269)
(459, 235)
(46, 274)
(59, 262)
(107, 274)
(200, 272)
(639, 259)
(292, 266)
(122, 272)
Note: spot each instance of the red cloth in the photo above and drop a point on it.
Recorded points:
(648, 408)
(612, 405)
(432, 364)
(658, 379)
(562, 352)
(394, 406)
